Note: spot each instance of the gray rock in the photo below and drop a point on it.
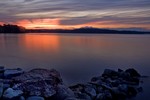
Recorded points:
(90, 90)
(37, 88)
(39, 82)
(35, 98)
(64, 92)
(9, 73)
(10, 93)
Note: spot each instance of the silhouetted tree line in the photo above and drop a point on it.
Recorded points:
(7, 28)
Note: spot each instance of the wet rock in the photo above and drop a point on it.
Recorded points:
(35, 98)
(133, 72)
(10, 93)
(9, 73)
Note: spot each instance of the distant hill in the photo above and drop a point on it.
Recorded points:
(87, 31)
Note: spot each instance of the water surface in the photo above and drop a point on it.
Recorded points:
(77, 56)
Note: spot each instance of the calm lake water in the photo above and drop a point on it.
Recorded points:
(78, 57)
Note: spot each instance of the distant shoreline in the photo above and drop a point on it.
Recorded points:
(85, 31)
(14, 29)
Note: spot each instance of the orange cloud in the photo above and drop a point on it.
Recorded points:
(39, 23)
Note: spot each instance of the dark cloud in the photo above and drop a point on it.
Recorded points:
(74, 12)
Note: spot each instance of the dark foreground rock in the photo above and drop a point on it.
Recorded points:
(111, 85)
(43, 84)
(37, 84)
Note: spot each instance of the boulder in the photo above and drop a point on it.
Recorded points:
(9, 73)
(35, 98)
(38, 82)
(11, 93)
(133, 72)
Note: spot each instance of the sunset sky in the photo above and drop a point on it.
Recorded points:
(52, 14)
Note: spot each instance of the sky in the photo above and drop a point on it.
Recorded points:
(52, 14)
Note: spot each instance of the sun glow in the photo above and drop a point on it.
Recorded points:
(39, 23)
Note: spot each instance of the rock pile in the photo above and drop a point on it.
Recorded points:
(111, 85)
(44, 84)
(37, 84)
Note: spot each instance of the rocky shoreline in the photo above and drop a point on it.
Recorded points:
(44, 84)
